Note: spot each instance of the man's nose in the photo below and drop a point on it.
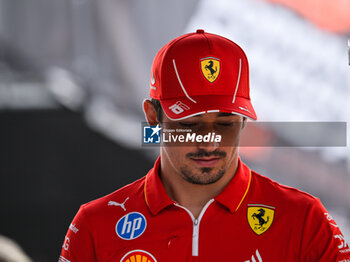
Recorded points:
(208, 141)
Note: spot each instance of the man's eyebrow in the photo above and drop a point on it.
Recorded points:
(224, 114)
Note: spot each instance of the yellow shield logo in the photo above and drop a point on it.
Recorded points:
(210, 68)
(260, 218)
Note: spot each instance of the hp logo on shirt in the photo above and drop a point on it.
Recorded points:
(131, 226)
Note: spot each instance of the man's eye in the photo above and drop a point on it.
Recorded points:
(226, 124)
(185, 124)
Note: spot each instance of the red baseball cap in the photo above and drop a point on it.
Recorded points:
(199, 73)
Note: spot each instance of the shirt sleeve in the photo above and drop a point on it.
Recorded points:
(78, 245)
(322, 239)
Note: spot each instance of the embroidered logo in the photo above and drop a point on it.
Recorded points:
(122, 205)
(131, 226)
(255, 257)
(153, 80)
(245, 109)
(260, 217)
(179, 107)
(73, 228)
(210, 68)
(138, 256)
(63, 259)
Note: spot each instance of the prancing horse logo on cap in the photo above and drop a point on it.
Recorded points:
(210, 68)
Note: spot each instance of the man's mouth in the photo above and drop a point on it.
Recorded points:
(206, 161)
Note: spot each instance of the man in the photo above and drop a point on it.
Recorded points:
(200, 202)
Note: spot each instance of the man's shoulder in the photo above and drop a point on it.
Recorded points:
(267, 188)
(127, 196)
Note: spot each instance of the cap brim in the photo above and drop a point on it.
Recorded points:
(182, 108)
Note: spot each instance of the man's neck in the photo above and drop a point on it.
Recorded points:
(193, 196)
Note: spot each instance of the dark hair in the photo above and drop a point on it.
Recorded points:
(158, 108)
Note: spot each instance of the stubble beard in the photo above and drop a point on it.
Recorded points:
(204, 178)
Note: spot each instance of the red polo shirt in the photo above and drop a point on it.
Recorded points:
(253, 219)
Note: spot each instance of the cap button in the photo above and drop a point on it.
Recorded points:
(200, 31)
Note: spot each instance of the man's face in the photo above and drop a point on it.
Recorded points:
(205, 162)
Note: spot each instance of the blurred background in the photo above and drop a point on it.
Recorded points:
(73, 74)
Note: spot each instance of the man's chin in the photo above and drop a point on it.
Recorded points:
(206, 176)
(206, 170)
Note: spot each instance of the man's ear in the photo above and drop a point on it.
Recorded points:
(150, 112)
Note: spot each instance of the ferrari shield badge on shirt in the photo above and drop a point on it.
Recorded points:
(260, 217)
(210, 68)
